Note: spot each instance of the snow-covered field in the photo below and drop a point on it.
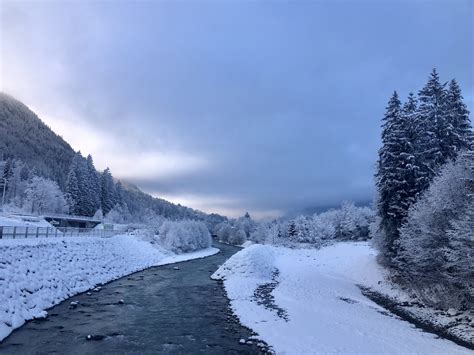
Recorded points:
(36, 274)
(316, 306)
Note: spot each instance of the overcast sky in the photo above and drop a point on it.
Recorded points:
(228, 106)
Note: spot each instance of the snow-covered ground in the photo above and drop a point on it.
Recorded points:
(316, 305)
(36, 274)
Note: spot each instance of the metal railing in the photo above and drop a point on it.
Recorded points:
(8, 232)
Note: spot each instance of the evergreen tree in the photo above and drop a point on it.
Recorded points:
(82, 207)
(107, 191)
(8, 169)
(434, 129)
(395, 159)
(72, 190)
(24, 173)
(292, 229)
(458, 115)
(93, 188)
(119, 193)
(6, 175)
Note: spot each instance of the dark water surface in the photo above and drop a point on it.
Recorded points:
(163, 311)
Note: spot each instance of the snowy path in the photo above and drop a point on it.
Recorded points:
(164, 310)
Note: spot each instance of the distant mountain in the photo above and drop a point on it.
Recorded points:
(23, 136)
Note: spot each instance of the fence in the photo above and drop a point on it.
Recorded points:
(50, 232)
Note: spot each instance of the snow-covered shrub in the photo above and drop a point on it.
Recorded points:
(436, 245)
(260, 234)
(185, 236)
(237, 236)
(223, 231)
(119, 214)
(234, 234)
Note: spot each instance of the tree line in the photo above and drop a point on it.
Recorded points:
(86, 192)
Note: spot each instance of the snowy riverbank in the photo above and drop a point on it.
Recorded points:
(308, 301)
(36, 274)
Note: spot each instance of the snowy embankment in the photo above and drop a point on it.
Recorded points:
(308, 301)
(36, 274)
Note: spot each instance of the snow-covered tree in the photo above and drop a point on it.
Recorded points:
(237, 236)
(389, 179)
(43, 195)
(245, 223)
(5, 176)
(435, 131)
(107, 191)
(185, 236)
(92, 188)
(260, 234)
(120, 214)
(458, 116)
(16, 183)
(291, 231)
(72, 189)
(119, 193)
(435, 245)
(98, 215)
(223, 231)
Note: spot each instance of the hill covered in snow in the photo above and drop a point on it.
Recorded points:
(28, 147)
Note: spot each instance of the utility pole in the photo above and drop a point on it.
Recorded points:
(3, 195)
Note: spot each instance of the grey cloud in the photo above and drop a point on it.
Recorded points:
(283, 99)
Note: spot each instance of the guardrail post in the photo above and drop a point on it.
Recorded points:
(1, 232)
(14, 232)
(37, 232)
(47, 232)
(26, 232)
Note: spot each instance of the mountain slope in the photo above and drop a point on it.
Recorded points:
(25, 137)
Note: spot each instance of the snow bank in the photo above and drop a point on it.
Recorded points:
(325, 311)
(256, 261)
(36, 274)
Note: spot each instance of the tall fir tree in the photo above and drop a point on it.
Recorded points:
(6, 175)
(434, 129)
(395, 161)
(72, 189)
(458, 116)
(409, 161)
(107, 191)
(119, 193)
(93, 187)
